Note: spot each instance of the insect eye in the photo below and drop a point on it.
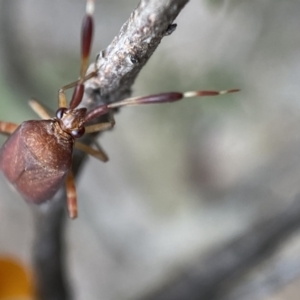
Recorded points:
(77, 133)
(60, 112)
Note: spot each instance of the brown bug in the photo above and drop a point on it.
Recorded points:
(37, 156)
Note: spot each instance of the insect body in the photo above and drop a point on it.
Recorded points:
(37, 157)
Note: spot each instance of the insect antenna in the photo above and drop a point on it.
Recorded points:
(86, 43)
(152, 99)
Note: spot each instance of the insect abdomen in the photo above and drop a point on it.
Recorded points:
(34, 161)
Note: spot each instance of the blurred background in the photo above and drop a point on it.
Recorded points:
(183, 179)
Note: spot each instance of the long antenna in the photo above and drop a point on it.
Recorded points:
(86, 43)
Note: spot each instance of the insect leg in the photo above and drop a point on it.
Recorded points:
(102, 126)
(99, 153)
(62, 99)
(99, 148)
(7, 127)
(98, 127)
(39, 109)
(71, 196)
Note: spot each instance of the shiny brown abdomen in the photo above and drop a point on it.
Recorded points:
(36, 159)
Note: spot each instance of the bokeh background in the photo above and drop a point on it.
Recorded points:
(183, 179)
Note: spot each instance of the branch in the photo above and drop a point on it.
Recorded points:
(118, 66)
(124, 58)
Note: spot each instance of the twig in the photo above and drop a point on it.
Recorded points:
(48, 252)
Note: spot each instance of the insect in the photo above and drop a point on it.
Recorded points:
(37, 156)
